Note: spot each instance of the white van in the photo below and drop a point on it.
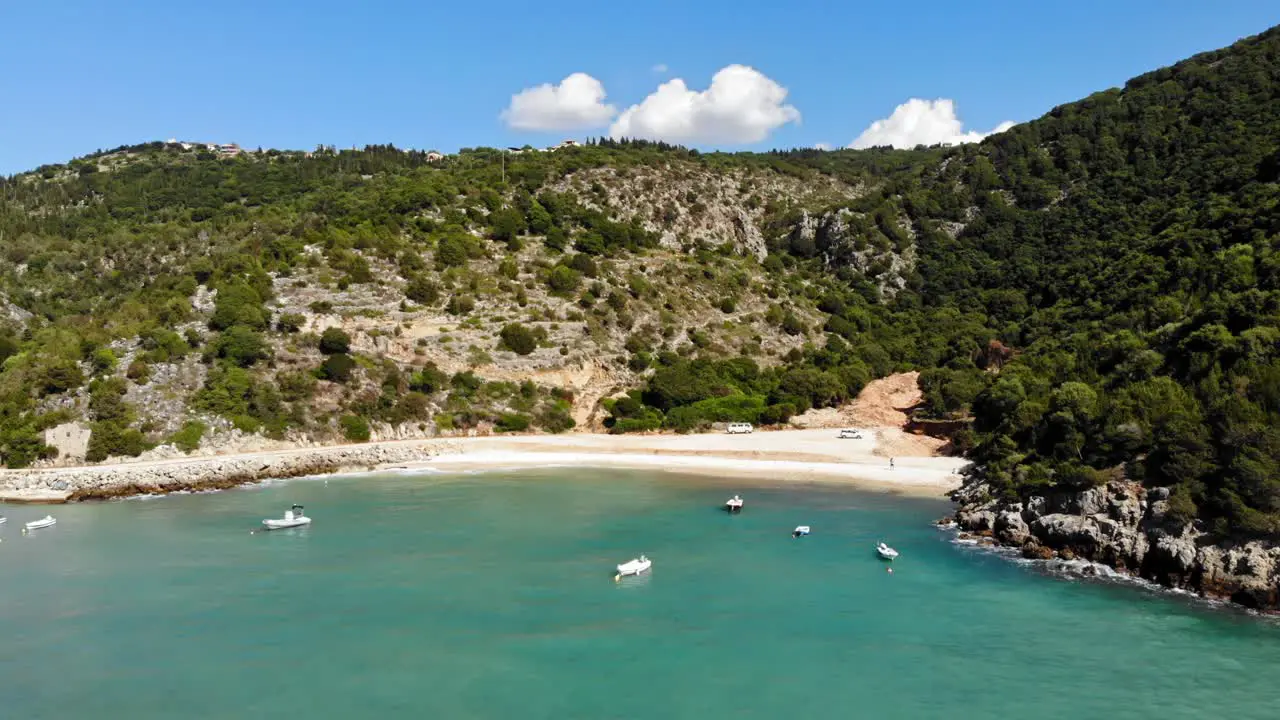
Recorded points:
(851, 434)
(736, 428)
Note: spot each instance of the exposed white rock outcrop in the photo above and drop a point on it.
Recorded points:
(1125, 526)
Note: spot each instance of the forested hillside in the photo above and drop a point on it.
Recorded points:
(1096, 289)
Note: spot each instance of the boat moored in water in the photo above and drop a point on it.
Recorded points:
(633, 567)
(886, 552)
(800, 531)
(733, 504)
(44, 522)
(294, 517)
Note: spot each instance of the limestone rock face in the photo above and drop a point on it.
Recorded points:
(835, 237)
(1127, 527)
(1010, 528)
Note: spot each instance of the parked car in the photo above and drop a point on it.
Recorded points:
(736, 428)
(850, 434)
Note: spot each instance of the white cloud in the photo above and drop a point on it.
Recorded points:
(922, 122)
(741, 106)
(660, 68)
(576, 103)
(822, 146)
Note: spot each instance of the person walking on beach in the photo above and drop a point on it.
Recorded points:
(890, 463)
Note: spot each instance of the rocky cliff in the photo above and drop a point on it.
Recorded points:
(845, 239)
(1128, 527)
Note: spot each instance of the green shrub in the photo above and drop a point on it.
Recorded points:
(8, 348)
(336, 368)
(555, 418)
(429, 380)
(334, 341)
(241, 346)
(452, 251)
(513, 422)
(59, 376)
(296, 386)
(110, 439)
(460, 305)
(238, 304)
(290, 322)
(584, 265)
(106, 402)
(188, 438)
(164, 345)
(792, 325)
(422, 291)
(139, 372)
(519, 339)
(103, 361)
(355, 428)
(644, 423)
(563, 279)
(508, 268)
(413, 406)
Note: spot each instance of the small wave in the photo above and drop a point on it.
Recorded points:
(157, 496)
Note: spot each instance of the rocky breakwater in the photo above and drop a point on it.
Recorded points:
(118, 480)
(1129, 528)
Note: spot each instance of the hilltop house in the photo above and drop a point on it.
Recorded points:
(564, 144)
(434, 156)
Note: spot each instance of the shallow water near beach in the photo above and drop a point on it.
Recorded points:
(492, 596)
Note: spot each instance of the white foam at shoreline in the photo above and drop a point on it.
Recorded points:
(1095, 572)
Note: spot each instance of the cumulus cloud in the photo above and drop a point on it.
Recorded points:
(576, 103)
(822, 146)
(742, 105)
(660, 68)
(922, 122)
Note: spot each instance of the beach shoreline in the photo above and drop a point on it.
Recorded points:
(783, 456)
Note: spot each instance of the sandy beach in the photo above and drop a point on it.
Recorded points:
(817, 455)
(807, 455)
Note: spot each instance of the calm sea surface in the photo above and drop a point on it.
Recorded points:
(492, 596)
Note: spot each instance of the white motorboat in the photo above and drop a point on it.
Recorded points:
(733, 504)
(44, 522)
(886, 552)
(800, 531)
(3, 520)
(294, 517)
(634, 567)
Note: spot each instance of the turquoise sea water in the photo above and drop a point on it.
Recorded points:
(492, 596)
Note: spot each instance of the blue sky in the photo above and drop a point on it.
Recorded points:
(82, 75)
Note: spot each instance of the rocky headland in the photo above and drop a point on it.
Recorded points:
(1129, 528)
